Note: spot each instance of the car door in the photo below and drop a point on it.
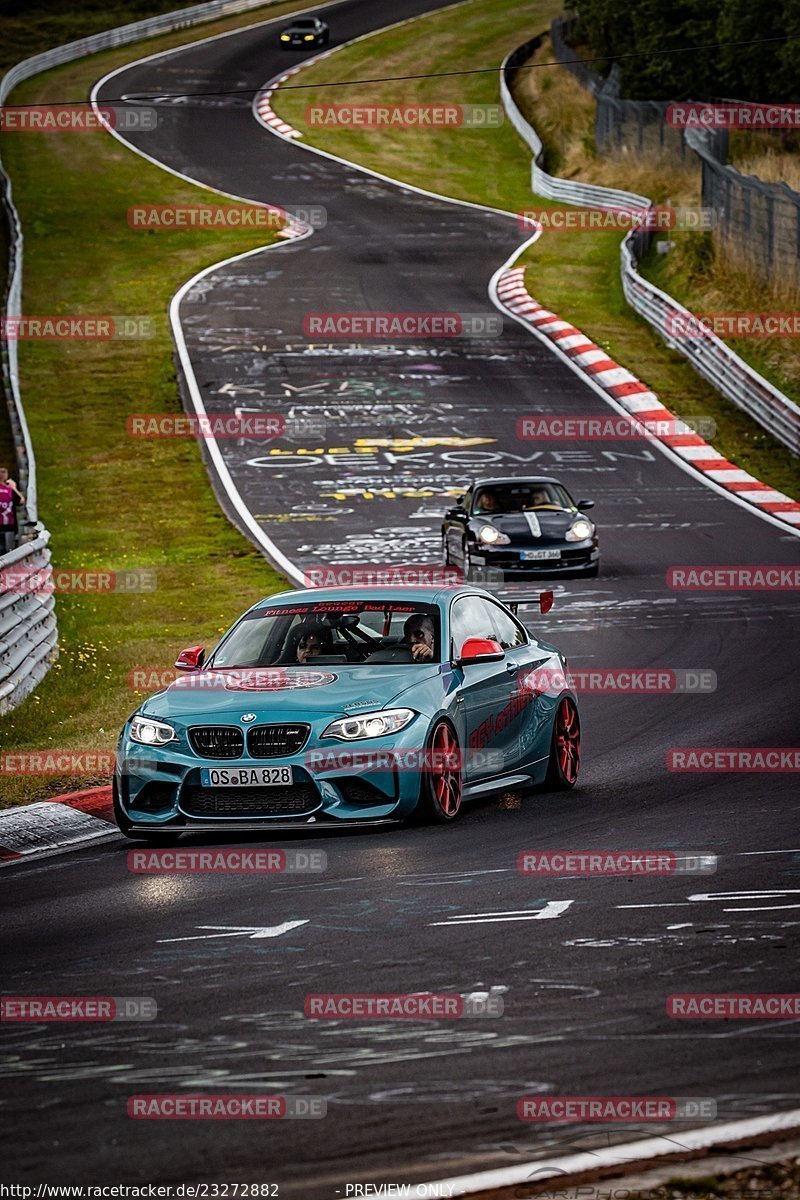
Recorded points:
(484, 692)
(526, 713)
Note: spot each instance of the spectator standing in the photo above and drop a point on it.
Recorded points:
(10, 497)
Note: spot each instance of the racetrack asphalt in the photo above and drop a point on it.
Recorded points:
(411, 910)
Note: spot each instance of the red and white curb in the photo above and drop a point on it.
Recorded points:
(52, 825)
(641, 403)
(262, 106)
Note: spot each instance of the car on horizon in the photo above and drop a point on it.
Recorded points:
(331, 706)
(506, 529)
(303, 33)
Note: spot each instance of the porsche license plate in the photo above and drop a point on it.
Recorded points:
(540, 555)
(246, 776)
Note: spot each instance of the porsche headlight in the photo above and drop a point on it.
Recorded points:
(308, 37)
(492, 537)
(369, 725)
(285, 37)
(579, 530)
(152, 733)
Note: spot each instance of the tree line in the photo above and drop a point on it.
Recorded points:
(769, 72)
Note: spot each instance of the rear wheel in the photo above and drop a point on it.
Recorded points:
(565, 747)
(441, 785)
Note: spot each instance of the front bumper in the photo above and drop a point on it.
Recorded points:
(162, 787)
(576, 558)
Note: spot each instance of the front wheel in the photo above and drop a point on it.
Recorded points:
(441, 785)
(565, 748)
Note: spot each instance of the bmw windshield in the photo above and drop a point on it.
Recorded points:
(372, 632)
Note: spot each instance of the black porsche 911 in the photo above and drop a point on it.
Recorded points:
(305, 32)
(520, 527)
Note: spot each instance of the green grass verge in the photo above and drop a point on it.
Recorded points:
(576, 274)
(111, 501)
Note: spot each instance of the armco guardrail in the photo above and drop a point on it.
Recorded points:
(28, 624)
(569, 190)
(710, 357)
(28, 633)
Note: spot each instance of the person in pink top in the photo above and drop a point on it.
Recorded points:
(10, 497)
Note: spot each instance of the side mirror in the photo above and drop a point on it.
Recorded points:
(582, 504)
(480, 650)
(190, 659)
(545, 601)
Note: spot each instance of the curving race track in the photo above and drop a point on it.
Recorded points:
(440, 909)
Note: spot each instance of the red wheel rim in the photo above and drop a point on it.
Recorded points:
(445, 770)
(568, 741)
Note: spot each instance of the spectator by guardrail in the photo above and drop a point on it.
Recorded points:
(710, 357)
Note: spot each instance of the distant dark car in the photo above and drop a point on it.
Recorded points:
(522, 527)
(305, 32)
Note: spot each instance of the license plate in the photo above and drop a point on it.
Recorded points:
(540, 555)
(246, 776)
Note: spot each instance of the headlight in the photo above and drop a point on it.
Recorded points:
(579, 530)
(152, 733)
(308, 37)
(369, 725)
(492, 536)
(285, 37)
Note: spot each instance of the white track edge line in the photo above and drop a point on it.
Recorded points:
(612, 1156)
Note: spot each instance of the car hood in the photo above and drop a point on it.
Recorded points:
(520, 529)
(275, 693)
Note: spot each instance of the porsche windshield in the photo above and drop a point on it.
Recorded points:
(520, 497)
(350, 631)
